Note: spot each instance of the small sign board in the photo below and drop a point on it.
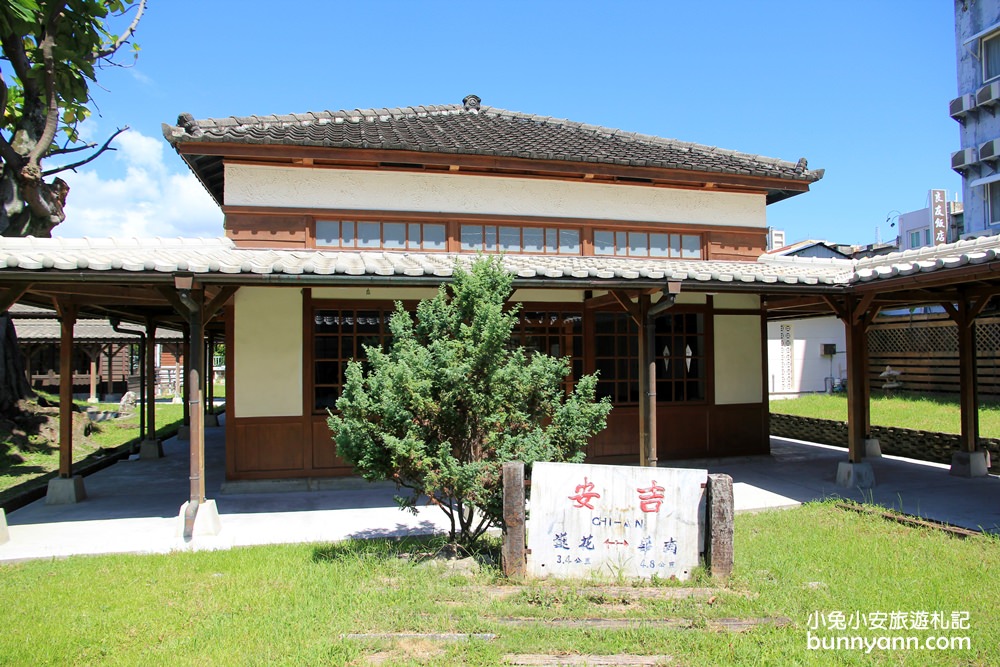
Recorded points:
(615, 521)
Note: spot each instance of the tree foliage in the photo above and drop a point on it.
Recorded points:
(452, 399)
(51, 53)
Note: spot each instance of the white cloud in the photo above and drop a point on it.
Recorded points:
(149, 198)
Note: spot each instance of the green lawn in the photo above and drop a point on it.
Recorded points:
(939, 414)
(28, 461)
(292, 605)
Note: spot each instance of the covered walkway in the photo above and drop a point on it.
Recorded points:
(132, 506)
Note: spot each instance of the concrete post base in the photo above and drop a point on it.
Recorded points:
(855, 475)
(150, 449)
(970, 464)
(183, 433)
(4, 532)
(65, 491)
(206, 521)
(211, 419)
(872, 448)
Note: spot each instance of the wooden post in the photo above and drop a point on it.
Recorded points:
(719, 512)
(650, 393)
(514, 554)
(197, 441)
(150, 379)
(964, 317)
(67, 318)
(644, 347)
(196, 349)
(93, 380)
(856, 406)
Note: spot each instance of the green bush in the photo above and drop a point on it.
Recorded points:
(452, 399)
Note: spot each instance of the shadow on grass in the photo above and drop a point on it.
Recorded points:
(380, 544)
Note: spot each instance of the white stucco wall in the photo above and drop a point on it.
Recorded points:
(374, 293)
(267, 352)
(736, 301)
(257, 185)
(800, 368)
(737, 359)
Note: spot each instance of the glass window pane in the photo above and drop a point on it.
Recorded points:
(993, 197)
(621, 243)
(658, 245)
(472, 237)
(368, 235)
(604, 243)
(533, 239)
(434, 237)
(491, 238)
(991, 58)
(347, 234)
(394, 235)
(327, 372)
(510, 239)
(690, 246)
(638, 244)
(551, 244)
(327, 346)
(569, 241)
(675, 245)
(413, 235)
(326, 397)
(327, 233)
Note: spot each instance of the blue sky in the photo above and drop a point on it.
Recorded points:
(858, 88)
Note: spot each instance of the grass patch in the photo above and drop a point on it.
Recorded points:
(293, 604)
(29, 447)
(926, 413)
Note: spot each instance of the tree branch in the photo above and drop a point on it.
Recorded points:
(9, 155)
(75, 149)
(125, 36)
(52, 99)
(101, 150)
(13, 50)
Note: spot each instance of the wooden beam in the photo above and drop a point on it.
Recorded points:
(12, 294)
(861, 308)
(839, 309)
(624, 299)
(216, 303)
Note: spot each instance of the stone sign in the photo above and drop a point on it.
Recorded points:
(611, 521)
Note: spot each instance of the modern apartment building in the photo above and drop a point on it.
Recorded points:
(977, 36)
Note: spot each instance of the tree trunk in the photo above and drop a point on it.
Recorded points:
(13, 381)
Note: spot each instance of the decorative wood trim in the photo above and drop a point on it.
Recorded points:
(486, 218)
(481, 165)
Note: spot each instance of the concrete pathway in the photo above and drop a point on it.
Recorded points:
(132, 506)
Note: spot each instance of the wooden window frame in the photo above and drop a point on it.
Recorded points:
(648, 232)
(407, 246)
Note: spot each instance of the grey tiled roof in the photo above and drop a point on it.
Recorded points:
(220, 257)
(454, 129)
(84, 331)
(139, 259)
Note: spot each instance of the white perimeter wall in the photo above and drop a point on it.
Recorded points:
(799, 367)
(267, 352)
(255, 185)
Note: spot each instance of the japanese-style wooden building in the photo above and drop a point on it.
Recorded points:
(636, 256)
(106, 356)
